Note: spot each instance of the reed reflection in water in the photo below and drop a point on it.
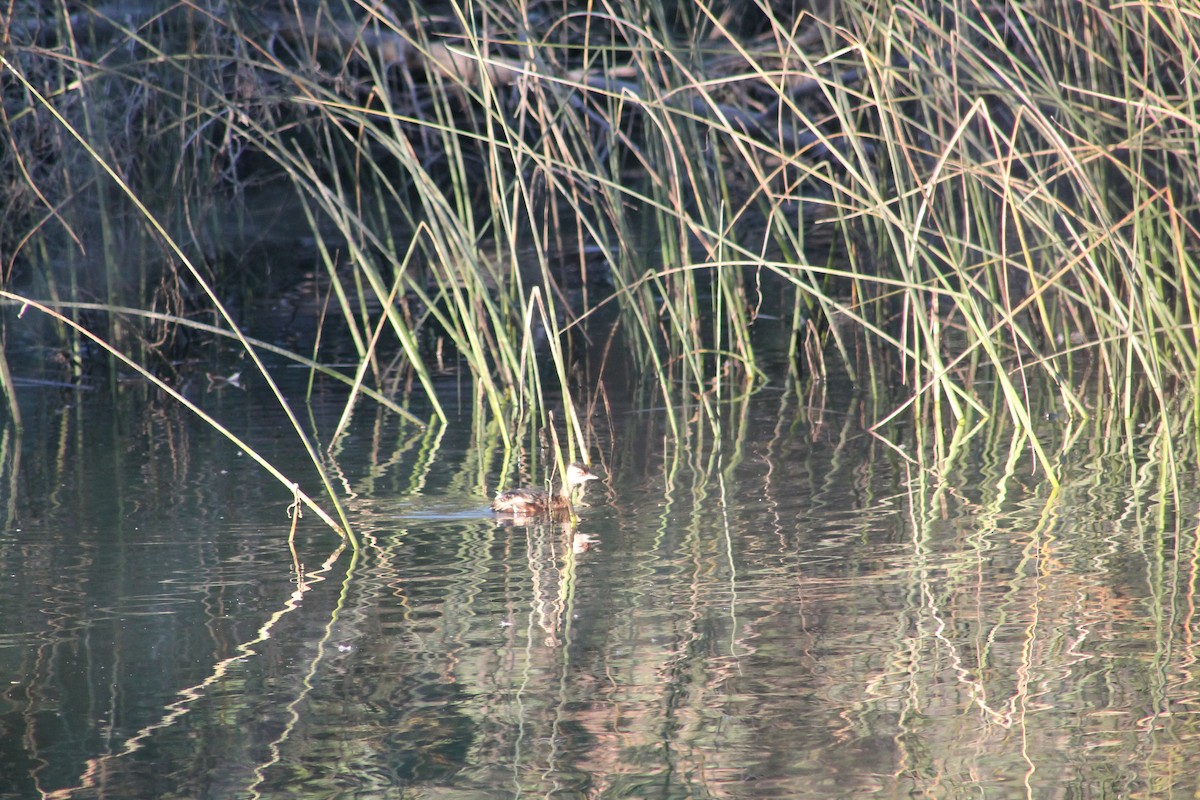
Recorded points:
(791, 609)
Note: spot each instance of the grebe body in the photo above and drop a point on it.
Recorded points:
(536, 502)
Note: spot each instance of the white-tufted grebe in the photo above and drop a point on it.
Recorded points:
(536, 502)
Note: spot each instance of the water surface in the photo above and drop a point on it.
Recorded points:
(788, 609)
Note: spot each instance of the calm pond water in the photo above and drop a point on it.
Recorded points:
(789, 609)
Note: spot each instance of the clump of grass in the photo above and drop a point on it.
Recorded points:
(1003, 191)
(967, 202)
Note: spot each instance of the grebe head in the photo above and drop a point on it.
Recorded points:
(578, 475)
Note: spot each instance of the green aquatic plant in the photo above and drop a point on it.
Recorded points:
(957, 206)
